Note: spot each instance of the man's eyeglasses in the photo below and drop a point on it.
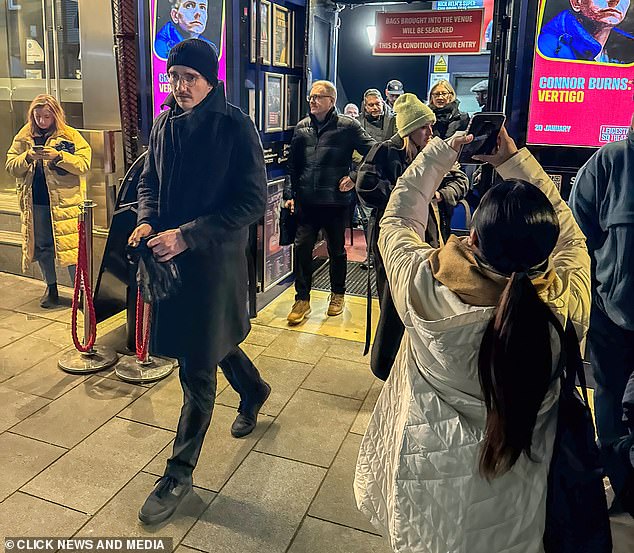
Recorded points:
(441, 94)
(317, 97)
(187, 79)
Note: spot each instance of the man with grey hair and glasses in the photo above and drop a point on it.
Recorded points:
(319, 191)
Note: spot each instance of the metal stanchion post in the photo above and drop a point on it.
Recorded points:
(98, 357)
(149, 369)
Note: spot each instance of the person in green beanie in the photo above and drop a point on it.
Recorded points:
(376, 178)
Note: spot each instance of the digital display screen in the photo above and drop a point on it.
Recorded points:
(583, 73)
(176, 20)
(470, 4)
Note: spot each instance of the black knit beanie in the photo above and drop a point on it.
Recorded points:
(198, 55)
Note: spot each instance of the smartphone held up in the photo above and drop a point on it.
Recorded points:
(485, 128)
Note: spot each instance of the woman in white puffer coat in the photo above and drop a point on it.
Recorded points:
(456, 455)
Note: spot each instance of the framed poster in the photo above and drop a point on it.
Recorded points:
(293, 101)
(172, 23)
(265, 32)
(281, 36)
(251, 93)
(298, 41)
(273, 102)
(278, 260)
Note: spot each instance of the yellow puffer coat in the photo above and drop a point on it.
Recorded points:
(65, 191)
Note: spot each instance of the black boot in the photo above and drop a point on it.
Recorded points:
(248, 414)
(50, 297)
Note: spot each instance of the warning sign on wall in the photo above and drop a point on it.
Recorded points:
(428, 32)
(440, 64)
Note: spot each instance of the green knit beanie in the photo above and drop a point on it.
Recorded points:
(411, 114)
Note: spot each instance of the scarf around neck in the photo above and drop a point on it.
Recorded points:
(456, 267)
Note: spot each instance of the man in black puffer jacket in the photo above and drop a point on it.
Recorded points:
(319, 190)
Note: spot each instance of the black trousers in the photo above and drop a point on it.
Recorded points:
(311, 219)
(612, 357)
(198, 380)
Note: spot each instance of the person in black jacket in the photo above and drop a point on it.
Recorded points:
(376, 118)
(319, 190)
(602, 201)
(445, 105)
(375, 180)
(203, 184)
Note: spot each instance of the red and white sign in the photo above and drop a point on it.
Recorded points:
(428, 32)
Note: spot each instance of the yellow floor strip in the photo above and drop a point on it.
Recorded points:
(350, 325)
(111, 323)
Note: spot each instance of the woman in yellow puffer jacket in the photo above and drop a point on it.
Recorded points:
(47, 158)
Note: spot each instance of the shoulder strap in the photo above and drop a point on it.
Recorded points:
(570, 365)
(372, 225)
(574, 364)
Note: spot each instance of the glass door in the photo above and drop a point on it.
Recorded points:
(39, 53)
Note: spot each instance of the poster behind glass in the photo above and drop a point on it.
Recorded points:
(293, 101)
(274, 102)
(174, 21)
(278, 260)
(265, 32)
(583, 74)
(281, 36)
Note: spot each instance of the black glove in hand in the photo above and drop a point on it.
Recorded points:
(156, 280)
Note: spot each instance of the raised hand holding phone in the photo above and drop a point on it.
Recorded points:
(484, 127)
(458, 140)
(506, 149)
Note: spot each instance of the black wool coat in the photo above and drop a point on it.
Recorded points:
(449, 119)
(385, 129)
(320, 156)
(204, 174)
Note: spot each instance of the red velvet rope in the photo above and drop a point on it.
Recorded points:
(82, 283)
(142, 334)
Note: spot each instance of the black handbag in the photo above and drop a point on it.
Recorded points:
(288, 227)
(157, 280)
(576, 507)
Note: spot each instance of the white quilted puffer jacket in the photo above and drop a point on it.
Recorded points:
(417, 473)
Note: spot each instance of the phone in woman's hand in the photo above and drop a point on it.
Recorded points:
(485, 128)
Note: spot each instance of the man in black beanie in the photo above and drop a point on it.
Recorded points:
(203, 184)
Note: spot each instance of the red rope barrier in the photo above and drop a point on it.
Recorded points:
(142, 330)
(82, 283)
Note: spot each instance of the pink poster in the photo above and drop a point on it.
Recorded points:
(176, 20)
(583, 73)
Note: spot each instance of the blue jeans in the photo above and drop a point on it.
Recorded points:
(45, 245)
(198, 380)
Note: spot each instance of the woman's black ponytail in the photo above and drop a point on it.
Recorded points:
(514, 365)
(516, 228)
